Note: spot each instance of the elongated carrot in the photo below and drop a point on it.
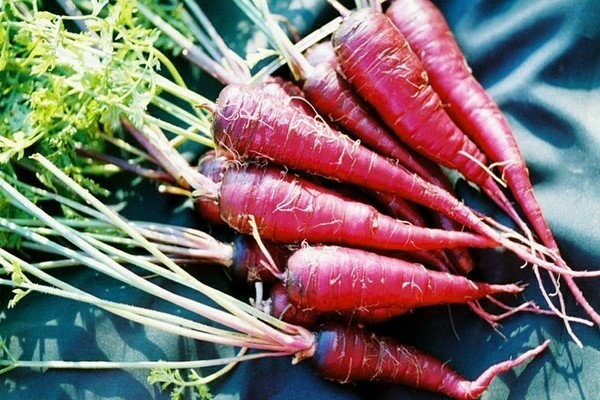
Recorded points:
(378, 62)
(334, 99)
(466, 102)
(350, 354)
(290, 209)
(473, 110)
(332, 96)
(256, 126)
(331, 278)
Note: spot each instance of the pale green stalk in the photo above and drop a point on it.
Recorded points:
(126, 276)
(187, 118)
(234, 306)
(96, 365)
(304, 44)
(298, 65)
(105, 264)
(122, 144)
(190, 51)
(221, 255)
(188, 133)
(170, 234)
(165, 322)
(234, 62)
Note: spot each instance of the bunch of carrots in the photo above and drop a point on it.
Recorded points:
(341, 162)
(338, 188)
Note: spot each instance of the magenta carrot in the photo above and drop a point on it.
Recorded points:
(331, 278)
(473, 110)
(290, 209)
(378, 62)
(397, 207)
(321, 53)
(333, 97)
(467, 103)
(289, 91)
(253, 125)
(460, 258)
(349, 354)
(281, 308)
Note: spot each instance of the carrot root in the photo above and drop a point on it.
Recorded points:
(347, 354)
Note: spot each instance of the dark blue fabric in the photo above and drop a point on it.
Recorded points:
(541, 61)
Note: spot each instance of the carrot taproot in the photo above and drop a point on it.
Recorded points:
(347, 354)
(280, 307)
(289, 209)
(332, 96)
(377, 61)
(332, 278)
(254, 125)
(334, 99)
(466, 101)
(474, 111)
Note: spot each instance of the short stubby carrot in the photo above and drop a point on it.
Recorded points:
(332, 278)
(348, 354)
(378, 62)
(289, 209)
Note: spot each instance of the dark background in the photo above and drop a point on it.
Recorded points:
(540, 60)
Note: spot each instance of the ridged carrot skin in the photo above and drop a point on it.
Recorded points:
(308, 318)
(290, 92)
(254, 125)
(290, 209)
(331, 278)
(333, 97)
(347, 354)
(466, 101)
(378, 62)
